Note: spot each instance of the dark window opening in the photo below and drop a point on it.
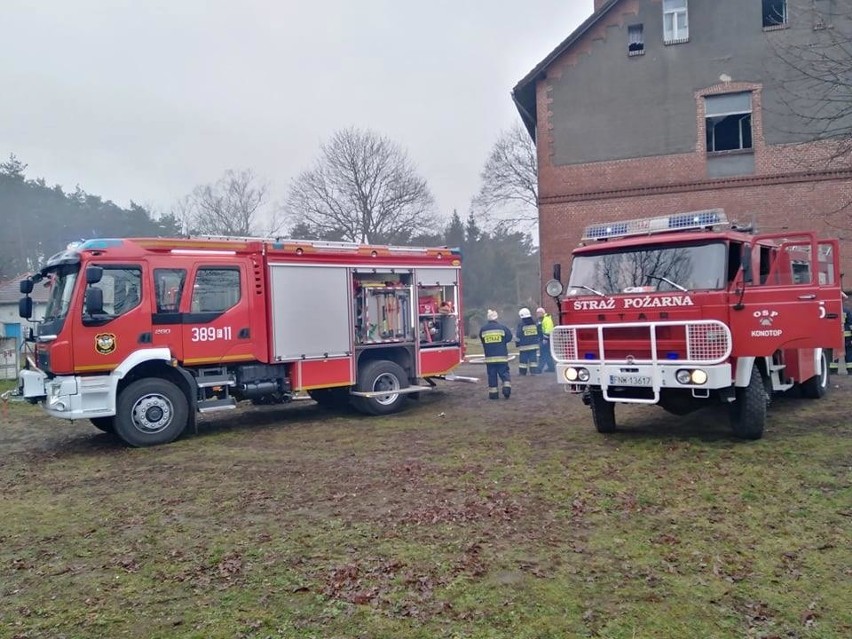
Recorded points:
(727, 122)
(635, 40)
(729, 133)
(774, 13)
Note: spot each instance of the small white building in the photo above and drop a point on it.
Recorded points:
(13, 326)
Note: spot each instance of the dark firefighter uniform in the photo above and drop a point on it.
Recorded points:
(527, 339)
(495, 337)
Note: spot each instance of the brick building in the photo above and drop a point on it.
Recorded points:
(653, 107)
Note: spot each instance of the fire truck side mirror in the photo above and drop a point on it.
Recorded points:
(94, 301)
(25, 307)
(26, 286)
(94, 274)
(557, 272)
(748, 277)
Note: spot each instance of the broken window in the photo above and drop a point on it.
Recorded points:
(728, 122)
(675, 21)
(635, 40)
(774, 13)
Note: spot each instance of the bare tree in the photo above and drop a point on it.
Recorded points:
(363, 188)
(812, 72)
(233, 205)
(509, 190)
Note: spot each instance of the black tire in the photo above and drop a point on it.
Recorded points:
(106, 424)
(379, 375)
(334, 398)
(603, 412)
(817, 386)
(748, 411)
(150, 412)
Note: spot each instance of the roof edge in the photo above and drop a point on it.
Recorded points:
(523, 93)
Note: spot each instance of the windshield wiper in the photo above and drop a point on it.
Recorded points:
(589, 288)
(668, 281)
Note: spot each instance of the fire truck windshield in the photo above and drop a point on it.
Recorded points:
(61, 282)
(648, 269)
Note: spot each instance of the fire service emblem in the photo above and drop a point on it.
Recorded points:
(105, 343)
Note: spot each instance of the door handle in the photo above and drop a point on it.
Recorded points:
(809, 296)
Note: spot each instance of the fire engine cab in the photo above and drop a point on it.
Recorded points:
(687, 309)
(139, 335)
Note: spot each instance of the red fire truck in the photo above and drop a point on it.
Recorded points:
(140, 335)
(687, 309)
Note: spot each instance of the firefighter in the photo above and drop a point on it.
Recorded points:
(527, 339)
(495, 337)
(545, 324)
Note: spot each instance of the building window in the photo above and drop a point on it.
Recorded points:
(774, 13)
(823, 10)
(635, 40)
(728, 122)
(675, 21)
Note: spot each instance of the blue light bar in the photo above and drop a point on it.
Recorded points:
(693, 220)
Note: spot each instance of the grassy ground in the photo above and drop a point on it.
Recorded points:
(461, 517)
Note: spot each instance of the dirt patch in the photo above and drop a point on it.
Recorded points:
(462, 516)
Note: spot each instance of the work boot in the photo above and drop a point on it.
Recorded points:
(493, 394)
(507, 390)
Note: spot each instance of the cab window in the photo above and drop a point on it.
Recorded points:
(216, 289)
(169, 283)
(122, 289)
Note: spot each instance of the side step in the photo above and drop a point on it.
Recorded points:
(208, 381)
(209, 405)
(401, 391)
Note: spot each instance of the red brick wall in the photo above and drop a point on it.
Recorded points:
(774, 207)
(793, 187)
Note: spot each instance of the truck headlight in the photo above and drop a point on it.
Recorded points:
(583, 374)
(571, 374)
(699, 377)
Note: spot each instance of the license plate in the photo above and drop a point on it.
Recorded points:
(629, 380)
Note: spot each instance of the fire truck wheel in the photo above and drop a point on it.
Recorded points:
(381, 375)
(603, 412)
(106, 424)
(748, 411)
(817, 386)
(151, 411)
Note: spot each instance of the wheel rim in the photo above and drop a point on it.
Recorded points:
(386, 382)
(152, 413)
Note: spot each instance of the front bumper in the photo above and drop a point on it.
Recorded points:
(647, 377)
(69, 397)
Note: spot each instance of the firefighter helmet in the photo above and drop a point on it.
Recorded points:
(524, 313)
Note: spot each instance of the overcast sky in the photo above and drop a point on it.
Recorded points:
(145, 99)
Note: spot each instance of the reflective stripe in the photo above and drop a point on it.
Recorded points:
(499, 359)
(528, 347)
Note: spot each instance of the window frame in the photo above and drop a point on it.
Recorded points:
(710, 126)
(678, 14)
(634, 30)
(767, 17)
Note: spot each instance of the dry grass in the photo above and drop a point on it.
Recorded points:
(461, 517)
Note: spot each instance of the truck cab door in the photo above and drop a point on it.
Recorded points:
(791, 296)
(106, 336)
(217, 327)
